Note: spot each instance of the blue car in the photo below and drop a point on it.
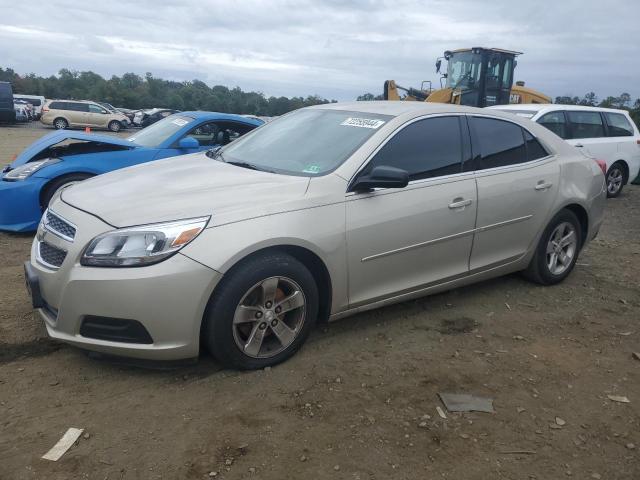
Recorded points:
(62, 158)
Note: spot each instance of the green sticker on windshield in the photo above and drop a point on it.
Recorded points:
(312, 169)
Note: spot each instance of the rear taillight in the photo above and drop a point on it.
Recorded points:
(603, 166)
(638, 141)
(45, 109)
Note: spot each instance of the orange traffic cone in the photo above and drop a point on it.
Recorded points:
(87, 130)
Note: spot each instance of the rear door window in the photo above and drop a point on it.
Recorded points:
(426, 148)
(556, 122)
(586, 124)
(499, 143)
(618, 125)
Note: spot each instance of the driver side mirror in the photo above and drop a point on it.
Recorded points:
(381, 177)
(188, 143)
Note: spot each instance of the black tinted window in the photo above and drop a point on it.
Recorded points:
(618, 124)
(500, 143)
(426, 148)
(586, 124)
(78, 107)
(57, 106)
(534, 149)
(555, 122)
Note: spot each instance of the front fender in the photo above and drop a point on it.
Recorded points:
(320, 230)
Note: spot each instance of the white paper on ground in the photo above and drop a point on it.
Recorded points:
(59, 449)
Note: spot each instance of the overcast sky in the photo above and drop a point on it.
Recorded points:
(336, 49)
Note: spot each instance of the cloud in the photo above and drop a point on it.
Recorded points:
(337, 49)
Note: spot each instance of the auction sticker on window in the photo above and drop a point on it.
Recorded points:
(363, 122)
(181, 122)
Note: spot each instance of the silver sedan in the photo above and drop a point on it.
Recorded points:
(322, 213)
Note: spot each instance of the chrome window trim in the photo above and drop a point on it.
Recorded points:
(46, 226)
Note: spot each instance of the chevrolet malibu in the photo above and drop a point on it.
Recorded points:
(322, 213)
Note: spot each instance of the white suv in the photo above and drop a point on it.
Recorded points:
(603, 133)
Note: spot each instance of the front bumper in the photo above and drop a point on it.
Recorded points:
(20, 204)
(168, 299)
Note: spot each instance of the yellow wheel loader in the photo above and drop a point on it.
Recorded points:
(478, 77)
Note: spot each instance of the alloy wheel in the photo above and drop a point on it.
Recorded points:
(561, 248)
(269, 317)
(614, 180)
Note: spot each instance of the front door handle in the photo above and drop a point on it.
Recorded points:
(459, 203)
(542, 185)
(579, 145)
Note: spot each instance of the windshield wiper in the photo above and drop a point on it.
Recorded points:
(248, 165)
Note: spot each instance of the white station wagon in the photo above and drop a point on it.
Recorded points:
(603, 133)
(322, 213)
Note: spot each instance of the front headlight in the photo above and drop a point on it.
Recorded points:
(28, 169)
(140, 246)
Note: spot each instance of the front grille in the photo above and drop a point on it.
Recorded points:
(51, 255)
(60, 226)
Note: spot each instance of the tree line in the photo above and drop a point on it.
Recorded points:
(135, 92)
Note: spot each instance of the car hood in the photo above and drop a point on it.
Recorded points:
(185, 187)
(60, 136)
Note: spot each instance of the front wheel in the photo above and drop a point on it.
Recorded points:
(115, 126)
(616, 179)
(557, 250)
(262, 312)
(57, 185)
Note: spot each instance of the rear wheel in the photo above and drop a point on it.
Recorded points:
(58, 184)
(115, 126)
(616, 179)
(557, 250)
(60, 124)
(262, 312)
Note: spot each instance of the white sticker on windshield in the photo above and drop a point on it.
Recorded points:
(180, 122)
(363, 122)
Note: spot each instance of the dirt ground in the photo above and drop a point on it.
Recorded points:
(359, 400)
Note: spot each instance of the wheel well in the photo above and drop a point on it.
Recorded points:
(44, 191)
(583, 218)
(317, 268)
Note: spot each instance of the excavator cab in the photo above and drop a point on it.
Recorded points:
(479, 77)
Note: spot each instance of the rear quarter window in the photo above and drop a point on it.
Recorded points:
(619, 125)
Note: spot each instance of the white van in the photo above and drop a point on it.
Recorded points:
(36, 100)
(603, 133)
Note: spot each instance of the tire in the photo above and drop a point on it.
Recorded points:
(241, 296)
(617, 177)
(58, 184)
(540, 268)
(115, 126)
(60, 124)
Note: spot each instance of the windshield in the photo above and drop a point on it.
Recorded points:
(306, 142)
(155, 134)
(463, 70)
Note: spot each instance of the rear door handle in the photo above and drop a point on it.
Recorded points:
(579, 145)
(459, 203)
(542, 185)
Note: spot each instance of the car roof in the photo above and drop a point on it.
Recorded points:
(200, 115)
(397, 108)
(537, 107)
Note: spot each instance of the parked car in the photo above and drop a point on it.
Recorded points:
(36, 100)
(63, 158)
(23, 115)
(28, 108)
(319, 214)
(7, 111)
(604, 133)
(149, 117)
(127, 113)
(64, 114)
